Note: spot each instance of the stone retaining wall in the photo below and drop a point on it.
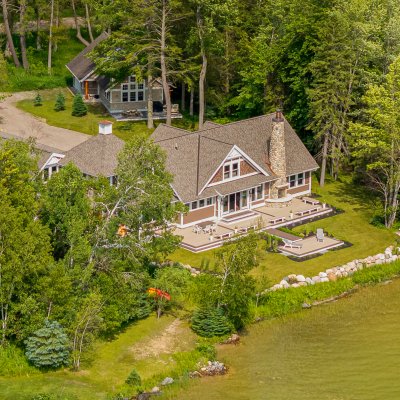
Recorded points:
(342, 271)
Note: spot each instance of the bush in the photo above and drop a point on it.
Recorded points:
(60, 102)
(209, 322)
(48, 347)
(79, 108)
(133, 379)
(38, 100)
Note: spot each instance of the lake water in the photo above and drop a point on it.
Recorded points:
(347, 350)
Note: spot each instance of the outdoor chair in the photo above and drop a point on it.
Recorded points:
(196, 229)
(214, 228)
(207, 229)
(320, 235)
(292, 244)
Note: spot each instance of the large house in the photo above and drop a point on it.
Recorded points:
(119, 98)
(229, 170)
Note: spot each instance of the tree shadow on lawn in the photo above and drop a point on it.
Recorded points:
(348, 192)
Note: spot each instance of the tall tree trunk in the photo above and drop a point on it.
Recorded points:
(38, 43)
(183, 97)
(324, 159)
(89, 25)
(150, 122)
(191, 105)
(22, 38)
(10, 42)
(227, 57)
(77, 26)
(203, 71)
(50, 38)
(164, 74)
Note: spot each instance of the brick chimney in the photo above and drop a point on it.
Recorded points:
(277, 156)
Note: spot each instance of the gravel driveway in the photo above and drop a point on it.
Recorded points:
(19, 123)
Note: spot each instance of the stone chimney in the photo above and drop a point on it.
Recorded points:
(277, 156)
(105, 128)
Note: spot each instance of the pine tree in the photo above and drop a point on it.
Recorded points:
(209, 322)
(38, 100)
(48, 347)
(133, 379)
(79, 108)
(60, 102)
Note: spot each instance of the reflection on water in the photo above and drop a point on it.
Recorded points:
(347, 350)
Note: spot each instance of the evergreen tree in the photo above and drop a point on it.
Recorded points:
(133, 379)
(38, 100)
(60, 102)
(48, 346)
(209, 322)
(79, 108)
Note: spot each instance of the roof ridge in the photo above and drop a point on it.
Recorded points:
(236, 122)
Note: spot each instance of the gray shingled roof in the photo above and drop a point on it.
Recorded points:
(97, 156)
(44, 151)
(192, 157)
(81, 66)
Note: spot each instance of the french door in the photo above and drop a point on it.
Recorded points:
(235, 202)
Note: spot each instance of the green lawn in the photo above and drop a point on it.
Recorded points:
(352, 226)
(106, 373)
(89, 123)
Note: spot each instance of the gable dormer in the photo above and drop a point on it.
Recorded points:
(235, 166)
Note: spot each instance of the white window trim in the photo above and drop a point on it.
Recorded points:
(296, 180)
(189, 205)
(132, 80)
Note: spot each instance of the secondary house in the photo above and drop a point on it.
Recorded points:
(123, 100)
(226, 172)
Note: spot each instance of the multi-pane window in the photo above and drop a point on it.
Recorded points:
(257, 193)
(231, 169)
(296, 180)
(201, 203)
(132, 91)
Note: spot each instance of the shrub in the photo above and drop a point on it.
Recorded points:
(37, 100)
(133, 379)
(207, 350)
(60, 102)
(79, 108)
(48, 347)
(209, 322)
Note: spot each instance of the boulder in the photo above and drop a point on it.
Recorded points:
(284, 283)
(302, 283)
(316, 279)
(167, 381)
(332, 277)
(309, 280)
(155, 389)
(324, 279)
(322, 274)
(306, 305)
(300, 278)
(295, 285)
(292, 278)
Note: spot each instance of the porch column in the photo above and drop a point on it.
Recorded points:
(86, 90)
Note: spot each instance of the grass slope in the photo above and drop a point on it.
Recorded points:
(352, 226)
(106, 372)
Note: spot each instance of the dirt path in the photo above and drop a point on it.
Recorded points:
(167, 342)
(19, 123)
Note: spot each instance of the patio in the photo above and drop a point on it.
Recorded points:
(310, 246)
(265, 218)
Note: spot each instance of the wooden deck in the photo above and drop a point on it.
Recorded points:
(311, 246)
(260, 222)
